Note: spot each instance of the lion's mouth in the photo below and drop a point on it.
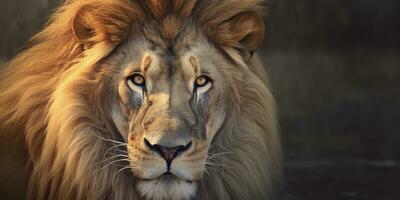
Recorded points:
(168, 177)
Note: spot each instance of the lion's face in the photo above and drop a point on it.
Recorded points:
(175, 82)
(169, 108)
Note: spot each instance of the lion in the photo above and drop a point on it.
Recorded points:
(157, 99)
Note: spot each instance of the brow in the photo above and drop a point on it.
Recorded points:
(146, 63)
(194, 64)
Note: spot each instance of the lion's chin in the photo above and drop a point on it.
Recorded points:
(167, 187)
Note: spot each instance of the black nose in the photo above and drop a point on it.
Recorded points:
(168, 153)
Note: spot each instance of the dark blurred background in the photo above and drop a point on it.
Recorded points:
(334, 67)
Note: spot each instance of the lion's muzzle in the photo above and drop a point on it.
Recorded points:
(168, 153)
(165, 142)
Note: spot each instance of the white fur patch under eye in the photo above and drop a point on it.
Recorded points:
(203, 89)
(135, 88)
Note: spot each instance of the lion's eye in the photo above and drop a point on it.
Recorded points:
(202, 81)
(137, 79)
(202, 84)
(136, 82)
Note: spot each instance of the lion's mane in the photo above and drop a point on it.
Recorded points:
(50, 94)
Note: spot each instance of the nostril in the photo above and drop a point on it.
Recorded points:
(147, 143)
(157, 148)
(182, 149)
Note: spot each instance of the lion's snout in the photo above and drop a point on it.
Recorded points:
(180, 154)
(167, 152)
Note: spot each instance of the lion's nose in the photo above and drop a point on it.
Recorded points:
(168, 153)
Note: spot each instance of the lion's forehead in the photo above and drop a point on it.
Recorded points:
(166, 69)
(177, 61)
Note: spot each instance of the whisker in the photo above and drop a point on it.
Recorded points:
(113, 157)
(110, 140)
(211, 162)
(219, 154)
(116, 154)
(218, 165)
(120, 170)
(118, 145)
(115, 161)
(211, 167)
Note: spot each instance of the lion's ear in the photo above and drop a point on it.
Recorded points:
(84, 26)
(244, 32)
(106, 22)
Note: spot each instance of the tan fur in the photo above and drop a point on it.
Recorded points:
(53, 94)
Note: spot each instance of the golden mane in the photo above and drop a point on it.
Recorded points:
(43, 96)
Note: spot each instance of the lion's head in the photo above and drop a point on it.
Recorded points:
(153, 99)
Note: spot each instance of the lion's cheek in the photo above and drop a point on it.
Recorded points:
(188, 170)
(147, 168)
(214, 123)
(120, 122)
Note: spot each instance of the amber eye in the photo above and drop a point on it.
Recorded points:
(136, 83)
(137, 79)
(202, 81)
